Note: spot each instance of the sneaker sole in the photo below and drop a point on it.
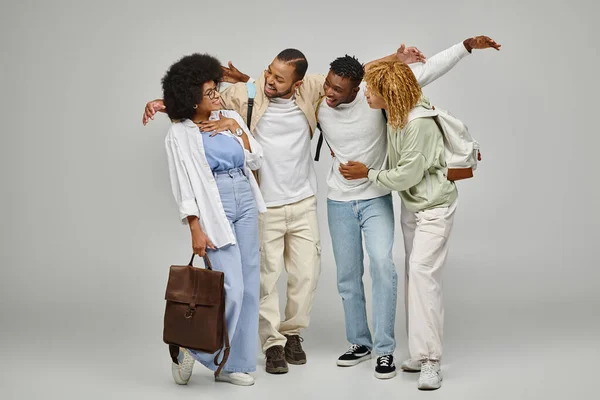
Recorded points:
(429, 388)
(176, 376)
(234, 382)
(352, 363)
(277, 371)
(295, 362)
(389, 375)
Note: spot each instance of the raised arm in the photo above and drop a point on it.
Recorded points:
(438, 65)
(407, 55)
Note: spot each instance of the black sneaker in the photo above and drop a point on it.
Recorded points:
(385, 368)
(355, 354)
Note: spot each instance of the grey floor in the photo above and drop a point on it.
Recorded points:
(544, 351)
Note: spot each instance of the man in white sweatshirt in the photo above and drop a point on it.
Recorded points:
(357, 208)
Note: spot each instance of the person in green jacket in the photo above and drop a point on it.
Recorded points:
(416, 166)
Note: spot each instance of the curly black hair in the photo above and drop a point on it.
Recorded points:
(348, 67)
(182, 83)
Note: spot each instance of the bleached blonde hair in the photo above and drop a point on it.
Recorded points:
(396, 83)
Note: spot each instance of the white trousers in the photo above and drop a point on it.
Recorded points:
(426, 236)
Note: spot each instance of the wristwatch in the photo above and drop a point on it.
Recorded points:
(239, 132)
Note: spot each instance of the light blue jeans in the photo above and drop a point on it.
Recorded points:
(348, 221)
(241, 265)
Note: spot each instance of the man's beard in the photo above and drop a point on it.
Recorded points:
(280, 94)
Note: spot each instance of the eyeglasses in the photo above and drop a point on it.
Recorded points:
(212, 93)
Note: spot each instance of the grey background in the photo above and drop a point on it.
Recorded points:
(89, 225)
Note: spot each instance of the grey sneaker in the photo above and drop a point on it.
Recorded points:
(431, 375)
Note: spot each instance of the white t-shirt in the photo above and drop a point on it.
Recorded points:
(355, 132)
(287, 174)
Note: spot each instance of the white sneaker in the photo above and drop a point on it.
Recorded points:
(182, 372)
(431, 375)
(411, 365)
(236, 378)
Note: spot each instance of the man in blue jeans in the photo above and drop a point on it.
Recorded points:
(355, 132)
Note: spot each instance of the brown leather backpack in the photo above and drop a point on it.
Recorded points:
(195, 311)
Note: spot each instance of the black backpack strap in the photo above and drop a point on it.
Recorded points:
(384, 114)
(319, 143)
(251, 87)
(249, 114)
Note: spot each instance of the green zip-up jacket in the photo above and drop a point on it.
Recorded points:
(416, 165)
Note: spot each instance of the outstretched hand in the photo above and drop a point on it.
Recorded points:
(409, 55)
(233, 75)
(152, 108)
(481, 42)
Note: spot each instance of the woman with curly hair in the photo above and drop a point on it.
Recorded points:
(211, 154)
(416, 170)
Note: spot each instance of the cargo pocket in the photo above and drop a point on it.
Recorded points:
(435, 220)
(313, 223)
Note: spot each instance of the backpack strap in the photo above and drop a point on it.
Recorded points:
(251, 95)
(224, 350)
(421, 112)
(321, 138)
(319, 143)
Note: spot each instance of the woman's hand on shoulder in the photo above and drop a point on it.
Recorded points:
(219, 125)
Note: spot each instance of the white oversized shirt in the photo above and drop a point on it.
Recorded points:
(193, 183)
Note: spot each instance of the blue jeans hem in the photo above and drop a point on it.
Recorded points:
(227, 368)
